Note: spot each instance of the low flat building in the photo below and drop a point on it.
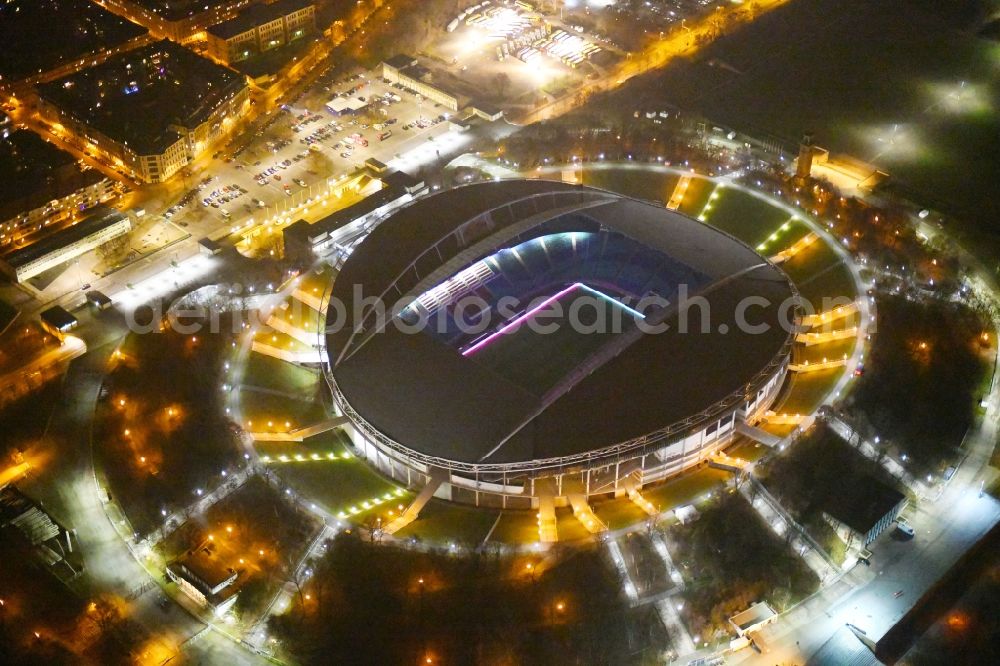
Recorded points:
(438, 86)
(149, 111)
(66, 244)
(260, 28)
(58, 321)
(752, 619)
(42, 187)
(863, 509)
(345, 106)
(407, 72)
(206, 578)
(302, 240)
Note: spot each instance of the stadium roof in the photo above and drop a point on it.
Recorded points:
(425, 395)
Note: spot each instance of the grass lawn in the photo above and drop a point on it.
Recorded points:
(790, 232)
(639, 183)
(570, 529)
(338, 486)
(696, 196)
(316, 281)
(296, 313)
(827, 350)
(749, 450)
(516, 526)
(687, 488)
(268, 412)
(618, 513)
(744, 216)
(443, 522)
(333, 441)
(808, 390)
(267, 336)
(273, 373)
(836, 282)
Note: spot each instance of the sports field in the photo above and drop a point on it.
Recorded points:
(540, 346)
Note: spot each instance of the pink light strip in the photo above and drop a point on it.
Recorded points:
(513, 323)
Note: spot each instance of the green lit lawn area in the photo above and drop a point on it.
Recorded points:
(516, 527)
(339, 485)
(827, 350)
(443, 522)
(685, 489)
(836, 283)
(777, 429)
(808, 390)
(570, 529)
(749, 450)
(268, 336)
(638, 183)
(786, 235)
(296, 313)
(316, 281)
(743, 215)
(696, 196)
(333, 441)
(261, 408)
(618, 513)
(819, 273)
(273, 373)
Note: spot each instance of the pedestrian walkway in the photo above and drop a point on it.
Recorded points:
(434, 481)
(781, 522)
(299, 434)
(677, 198)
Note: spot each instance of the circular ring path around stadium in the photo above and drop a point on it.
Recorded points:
(503, 416)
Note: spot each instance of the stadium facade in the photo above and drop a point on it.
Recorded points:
(501, 413)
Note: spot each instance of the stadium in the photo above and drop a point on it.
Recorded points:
(481, 405)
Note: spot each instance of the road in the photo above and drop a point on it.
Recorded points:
(682, 42)
(68, 488)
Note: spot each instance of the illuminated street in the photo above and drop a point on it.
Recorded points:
(525, 331)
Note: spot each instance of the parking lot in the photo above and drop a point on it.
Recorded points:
(306, 146)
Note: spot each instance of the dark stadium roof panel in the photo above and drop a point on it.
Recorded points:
(428, 397)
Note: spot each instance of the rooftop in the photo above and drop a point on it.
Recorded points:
(175, 10)
(137, 97)
(58, 317)
(101, 217)
(759, 612)
(256, 15)
(39, 35)
(400, 60)
(862, 501)
(33, 172)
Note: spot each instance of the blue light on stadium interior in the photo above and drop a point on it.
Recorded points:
(516, 321)
(603, 296)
